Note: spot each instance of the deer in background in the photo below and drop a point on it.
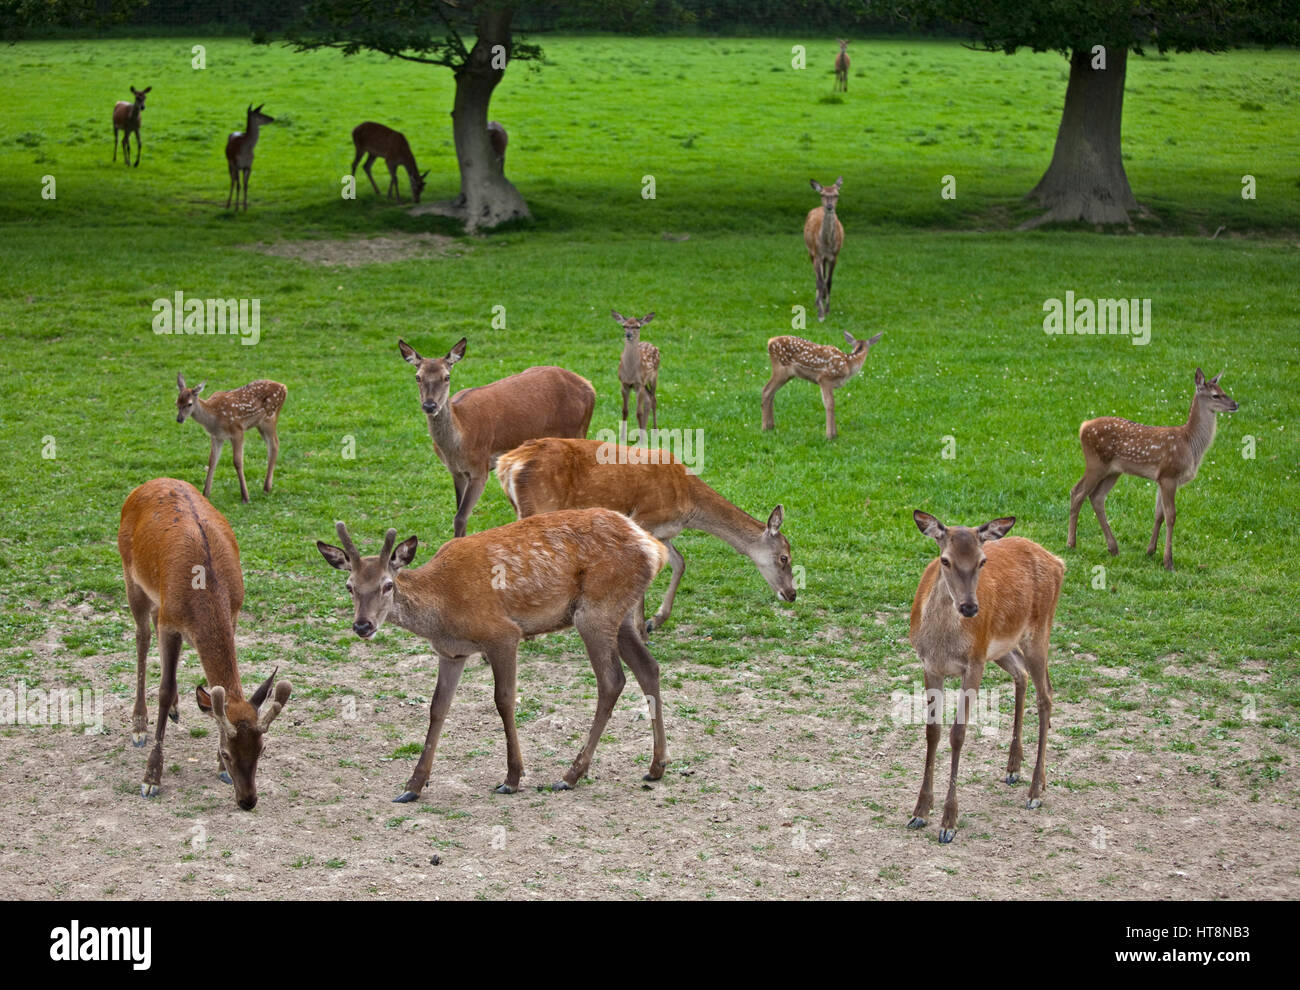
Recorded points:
(827, 366)
(239, 152)
(842, 66)
(226, 415)
(638, 371)
(1168, 455)
(473, 428)
(656, 493)
(983, 598)
(126, 118)
(486, 592)
(181, 566)
(823, 235)
(377, 141)
(499, 138)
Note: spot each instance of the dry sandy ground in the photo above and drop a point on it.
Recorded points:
(354, 251)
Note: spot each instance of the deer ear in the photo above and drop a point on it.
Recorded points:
(775, 520)
(1215, 379)
(648, 317)
(334, 556)
(204, 699)
(616, 314)
(180, 380)
(817, 186)
(929, 525)
(263, 690)
(404, 554)
(996, 529)
(199, 387)
(425, 174)
(876, 339)
(839, 182)
(146, 89)
(849, 337)
(457, 352)
(1200, 377)
(408, 352)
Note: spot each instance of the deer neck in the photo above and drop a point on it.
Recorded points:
(713, 514)
(826, 240)
(445, 429)
(217, 654)
(629, 365)
(250, 135)
(855, 363)
(1200, 429)
(205, 415)
(412, 611)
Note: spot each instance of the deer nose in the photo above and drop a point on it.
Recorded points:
(789, 595)
(248, 803)
(968, 609)
(363, 627)
(180, 417)
(429, 407)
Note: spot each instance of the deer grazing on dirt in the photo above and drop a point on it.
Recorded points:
(638, 371)
(126, 118)
(655, 491)
(827, 366)
(957, 631)
(823, 235)
(499, 138)
(377, 141)
(181, 566)
(1168, 455)
(471, 429)
(842, 67)
(486, 592)
(239, 152)
(226, 415)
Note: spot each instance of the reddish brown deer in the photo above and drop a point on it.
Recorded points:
(126, 118)
(181, 565)
(239, 152)
(377, 141)
(828, 367)
(486, 592)
(226, 415)
(638, 371)
(471, 429)
(842, 67)
(652, 488)
(1168, 455)
(957, 631)
(823, 235)
(499, 138)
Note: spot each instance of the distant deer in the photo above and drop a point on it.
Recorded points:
(823, 235)
(226, 415)
(956, 632)
(239, 152)
(486, 592)
(377, 141)
(499, 138)
(1168, 455)
(842, 67)
(638, 371)
(829, 367)
(126, 118)
(181, 566)
(661, 497)
(474, 427)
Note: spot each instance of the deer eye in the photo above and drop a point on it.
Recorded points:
(388, 586)
(983, 562)
(349, 587)
(784, 559)
(945, 561)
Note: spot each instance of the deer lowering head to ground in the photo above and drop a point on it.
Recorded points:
(239, 151)
(126, 118)
(638, 371)
(1168, 455)
(983, 598)
(829, 367)
(181, 565)
(486, 592)
(499, 138)
(842, 67)
(823, 235)
(226, 415)
(471, 429)
(377, 141)
(656, 492)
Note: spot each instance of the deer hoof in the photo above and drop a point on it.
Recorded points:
(224, 778)
(138, 739)
(406, 797)
(1013, 778)
(504, 789)
(148, 790)
(649, 628)
(1034, 803)
(917, 822)
(946, 835)
(559, 785)
(175, 715)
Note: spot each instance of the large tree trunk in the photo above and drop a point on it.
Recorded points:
(1086, 179)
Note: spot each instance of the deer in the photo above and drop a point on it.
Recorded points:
(181, 566)
(239, 152)
(126, 118)
(842, 67)
(638, 371)
(377, 141)
(471, 429)
(823, 235)
(655, 491)
(584, 568)
(226, 415)
(827, 366)
(499, 138)
(1169, 455)
(986, 597)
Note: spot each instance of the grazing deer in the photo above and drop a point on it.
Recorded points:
(226, 415)
(377, 141)
(842, 66)
(499, 138)
(126, 118)
(823, 235)
(484, 593)
(956, 632)
(473, 428)
(829, 367)
(239, 151)
(1168, 455)
(638, 371)
(181, 565)
(655, 491)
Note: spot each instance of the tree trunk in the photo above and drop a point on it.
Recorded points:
(1086, 179)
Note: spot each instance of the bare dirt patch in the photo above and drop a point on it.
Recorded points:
(353, 252)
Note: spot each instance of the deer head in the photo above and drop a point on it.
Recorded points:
(860, 348)
(417, 183)
(830, 194)
(139, 97)
(371, 580)
(255, 116)
(242, 728)
(771, 555)
(187, 398)
(961, 556)
(631, 328)
(433, 375)
(1209, 391)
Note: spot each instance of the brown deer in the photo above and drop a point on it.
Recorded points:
(827, 366)
(181, 565)
(956, 632)
(377, 141)
(652, 488)
(226, 415)
(499, 138)
(486, 592)
(239, 152)
(471, 429)
(1168, 455)
(842, 66)
(823, 235)
(638, 371)
(126, 118)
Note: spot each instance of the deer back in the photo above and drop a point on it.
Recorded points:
(542, 401)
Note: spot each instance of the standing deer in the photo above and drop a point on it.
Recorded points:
(638, 371)
(842, 66)
(226, 415)
(655, 492)
(239, 151)
(1168, 455)
(499, 138)
(126, 118)
(181, 566)
(829, 367)
(473, 428)
(377, 141)
(823, 235)
(957, 632)
(484, 593)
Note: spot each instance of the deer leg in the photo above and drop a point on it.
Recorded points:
(830, 279)
(137, 149)
(1160, 518)
(237, 451)
(1168, 488)
(370, 160)
(821, 290)
(449, 671)
(214, 453)
(473, 492)
(1036, 657)
(678, 564)
(780, 375)
(970, 683)
(933, 729)
(392, 171)
(247, 174)
(503, 660)
(828, 400)
(142, 613)
(1078, 493)
(356, 161)
(234, 185)
(642, 409)
(1098, 499)
(652, 390)
(602, 651)
(626, 390)
(169, 648)
(645, 669)
(272, 452)
(115, 133)
(1014, 664)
